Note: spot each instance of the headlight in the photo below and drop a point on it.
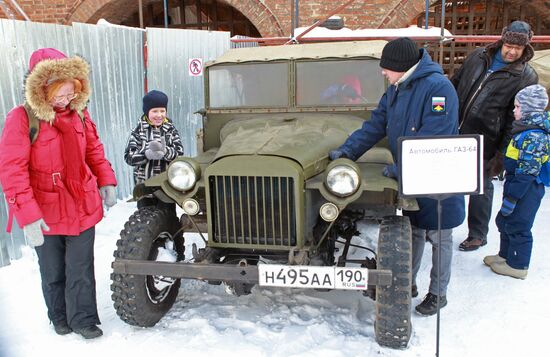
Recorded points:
(342, 180)
(181, 176)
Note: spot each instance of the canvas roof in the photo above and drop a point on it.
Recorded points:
(352, 49)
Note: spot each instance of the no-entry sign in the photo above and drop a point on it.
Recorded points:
(195, 67)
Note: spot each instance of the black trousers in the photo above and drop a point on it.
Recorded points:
(480, 207)
(68, 280)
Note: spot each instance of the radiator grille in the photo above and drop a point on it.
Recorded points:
(253, 210)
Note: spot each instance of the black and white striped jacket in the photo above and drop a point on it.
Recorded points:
(138, 142)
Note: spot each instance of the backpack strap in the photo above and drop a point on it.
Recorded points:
(34, 124)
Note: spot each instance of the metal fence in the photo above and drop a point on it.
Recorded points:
(115, 55)
(169, 52)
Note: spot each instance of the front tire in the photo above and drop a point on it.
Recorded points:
(143, 300)
(393, 303)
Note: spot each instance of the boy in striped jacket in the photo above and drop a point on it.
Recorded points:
(154, 142)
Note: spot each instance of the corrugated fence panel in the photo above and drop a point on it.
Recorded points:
(115, 55)
(116, 58)
(169, 51)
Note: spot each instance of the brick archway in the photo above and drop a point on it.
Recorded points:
(403, 13)
(260, 15)
(257, 13)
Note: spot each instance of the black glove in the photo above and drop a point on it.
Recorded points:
(336, 154)
(495, 166)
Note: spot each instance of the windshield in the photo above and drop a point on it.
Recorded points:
(249, 85)
(351, 82)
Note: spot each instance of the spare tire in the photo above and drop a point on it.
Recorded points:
(335, 23)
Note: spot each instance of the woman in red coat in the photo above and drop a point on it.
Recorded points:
(55, 185)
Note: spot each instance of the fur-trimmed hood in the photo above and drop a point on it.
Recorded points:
(47, 65)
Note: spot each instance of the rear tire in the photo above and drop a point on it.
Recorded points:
(393, 303)
(140, 300)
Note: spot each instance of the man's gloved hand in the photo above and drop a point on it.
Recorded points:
(508, 206)
(336, 154)
(495, 166)
(108, 194)
(33, 232)
(390, 171)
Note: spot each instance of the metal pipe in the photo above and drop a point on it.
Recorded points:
(165, 13)
(442, 32)
(426, 17)
(297, 16)
(140, 4)
(458, 39)
(292, 18)
(20, 10)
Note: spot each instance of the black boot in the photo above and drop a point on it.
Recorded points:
(414, 290)
(429, 305)
(89, 332)
(61, 328)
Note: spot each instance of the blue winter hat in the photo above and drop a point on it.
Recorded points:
(533, 98)
(154, 99)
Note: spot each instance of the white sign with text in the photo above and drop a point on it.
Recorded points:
(441, 165)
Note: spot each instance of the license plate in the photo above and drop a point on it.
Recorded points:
(303, 276)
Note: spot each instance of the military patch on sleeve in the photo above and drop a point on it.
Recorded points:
(438, 104)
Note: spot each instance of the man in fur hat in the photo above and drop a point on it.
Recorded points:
(486, 85)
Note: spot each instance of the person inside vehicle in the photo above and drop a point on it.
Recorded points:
(346, 91)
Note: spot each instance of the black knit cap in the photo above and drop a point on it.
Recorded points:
(154, 99)
(517, 33)
(400, 55)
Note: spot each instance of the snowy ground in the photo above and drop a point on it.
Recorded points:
(487, 315)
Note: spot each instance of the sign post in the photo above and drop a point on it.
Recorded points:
(439, 167)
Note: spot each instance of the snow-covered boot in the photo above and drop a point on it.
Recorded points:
(504, 269)
(490, 259)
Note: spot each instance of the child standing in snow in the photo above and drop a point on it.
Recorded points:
(524, 182)
(153, 143)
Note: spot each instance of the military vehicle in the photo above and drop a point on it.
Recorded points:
(271, 208)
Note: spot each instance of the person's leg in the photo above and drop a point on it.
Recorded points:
(80, 291)
(418, 243)
(479, 215)
(51, 260)
(441, 279)
(519, 226)
(504, 239)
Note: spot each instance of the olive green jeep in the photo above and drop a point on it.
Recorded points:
(271, 209)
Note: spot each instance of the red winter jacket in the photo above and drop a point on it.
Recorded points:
(32, 175)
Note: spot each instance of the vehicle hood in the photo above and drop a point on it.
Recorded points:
(306, 139)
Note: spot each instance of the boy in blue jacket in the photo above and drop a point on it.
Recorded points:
(524, 182)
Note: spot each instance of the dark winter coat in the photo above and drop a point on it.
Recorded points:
(486, 101)
(32, 176)
(138, 143)
(407, 110)
(525, 154)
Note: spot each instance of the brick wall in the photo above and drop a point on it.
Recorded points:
(271, 17)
